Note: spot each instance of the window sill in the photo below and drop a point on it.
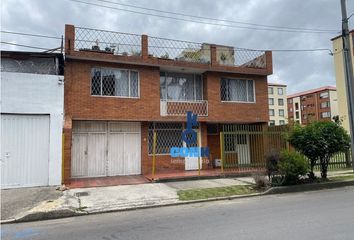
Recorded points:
(237, 102)
(120, 97)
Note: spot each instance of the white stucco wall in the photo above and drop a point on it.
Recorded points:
(25, 93)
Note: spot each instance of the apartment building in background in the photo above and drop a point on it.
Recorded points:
(318, 104)
(337, 44)
(122, 88)
(278, 110)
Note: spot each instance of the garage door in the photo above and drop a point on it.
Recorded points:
(25, 150)
(105, 149)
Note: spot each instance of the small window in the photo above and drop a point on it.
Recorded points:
(281, 122)
(291, 109)
(114, 82)
(280, 91)
(325, 105)
(296, 106)
(281, 102)
(290, 101)
(324, 95)
(271, 123)
(271, 112)
(237, 90)
(325, 115)
(281, 112)
(271, 101)
(270, 90)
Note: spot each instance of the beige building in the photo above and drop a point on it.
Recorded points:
(340, 82)
(278, 110)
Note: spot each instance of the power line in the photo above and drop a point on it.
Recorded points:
(237, 48)
(26, 46)
(195, 21)
(216, 19)
(30, 34)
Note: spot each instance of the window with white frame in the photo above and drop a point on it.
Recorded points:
(281, 122)
(281, 102)
(270, 90)
(237, 90)
(271, 101)
(325, 104)
(114, 82)
(324, 95)
(181, 86)
(271, 112)
(280, 91)
(281, 112)
(325, 115)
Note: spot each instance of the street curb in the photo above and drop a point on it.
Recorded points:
(63, 213)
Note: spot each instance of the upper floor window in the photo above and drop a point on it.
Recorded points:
(114, 82)
(271, 101)
(325, 104)
(270, 90)
(237, 90)
(325, 115)
(271, 112)
(280, 91)
(181, 86)
(296, 106)
(281, 112)
(290, 100)
(324, 95)
(281, 102)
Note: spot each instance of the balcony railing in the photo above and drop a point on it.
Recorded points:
(179, 50)
(116, 43)
(240, 57)
(180, 108)
(162, 50)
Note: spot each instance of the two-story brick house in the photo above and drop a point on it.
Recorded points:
(120, 88)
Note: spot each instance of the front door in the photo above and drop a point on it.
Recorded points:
(191, 163)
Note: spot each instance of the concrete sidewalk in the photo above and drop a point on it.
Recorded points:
(81, 201)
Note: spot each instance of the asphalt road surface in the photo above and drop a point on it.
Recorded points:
(327, 214)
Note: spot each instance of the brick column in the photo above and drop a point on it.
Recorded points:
(144, 47)
(269, 62)
(69, 38)
(67, 131)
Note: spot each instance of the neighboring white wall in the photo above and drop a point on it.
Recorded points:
(333, 103)
(25, 93)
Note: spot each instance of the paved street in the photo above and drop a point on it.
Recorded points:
(327, 214)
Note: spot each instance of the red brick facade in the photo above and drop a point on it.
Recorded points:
(81, 105)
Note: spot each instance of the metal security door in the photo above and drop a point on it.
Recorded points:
(191, 163)
(25, 150)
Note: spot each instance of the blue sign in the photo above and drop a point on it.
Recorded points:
(189, 136)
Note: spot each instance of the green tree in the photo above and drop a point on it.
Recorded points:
(319, 141)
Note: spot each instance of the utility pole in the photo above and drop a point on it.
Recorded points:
(348, 73)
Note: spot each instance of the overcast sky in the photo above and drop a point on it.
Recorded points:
(300, 71)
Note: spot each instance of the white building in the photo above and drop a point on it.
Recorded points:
(32, 98)
(278, 106)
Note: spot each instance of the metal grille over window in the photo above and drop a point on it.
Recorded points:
(114, 82)
(237, 90)
(167, 135)
(116, 43)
